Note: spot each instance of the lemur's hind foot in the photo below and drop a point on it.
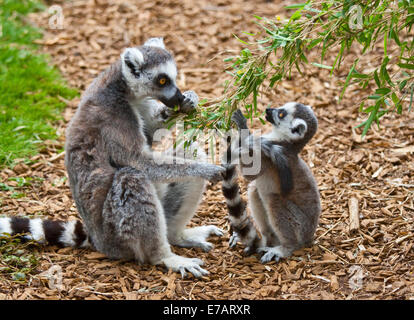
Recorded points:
(274, 253)
(196, 237)
(184, 265)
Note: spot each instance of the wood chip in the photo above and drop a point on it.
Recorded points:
(353, 215)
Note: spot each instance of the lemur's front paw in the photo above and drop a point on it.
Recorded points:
(234, 238)
(239, 119)
(190, 101)
(214, 173)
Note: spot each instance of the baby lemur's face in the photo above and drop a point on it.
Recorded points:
(289, 121)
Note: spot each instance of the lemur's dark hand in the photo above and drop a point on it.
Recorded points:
(190, 101)
(239, 119)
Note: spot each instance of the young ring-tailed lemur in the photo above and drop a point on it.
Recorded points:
(133, 202)
(283, 197)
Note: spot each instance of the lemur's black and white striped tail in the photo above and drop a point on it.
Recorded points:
(53, 232)
(240, 223)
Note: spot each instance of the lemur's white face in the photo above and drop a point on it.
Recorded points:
(285, 126)
(154, 77)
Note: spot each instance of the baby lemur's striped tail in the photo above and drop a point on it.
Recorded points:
(54, 232)
(240, 223)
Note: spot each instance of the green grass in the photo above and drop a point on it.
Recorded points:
(29, 87)
(30, 103)
(18, 260)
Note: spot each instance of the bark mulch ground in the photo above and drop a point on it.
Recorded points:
(374, 262)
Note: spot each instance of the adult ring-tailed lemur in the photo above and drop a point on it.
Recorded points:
(133, 202)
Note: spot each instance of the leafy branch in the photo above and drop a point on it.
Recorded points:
(331, 27)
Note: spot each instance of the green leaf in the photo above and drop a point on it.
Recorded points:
(240, 40)
(394, 36)
(395, 98)
(369, 109)
(296, 6)
(348, 78)
(358, 75)
(371, 119)
(383, 91)
(323, 66)
(360, 125)
(297, 15)
(338, 58)
(202, 102)
(377, 80)
(314, 42)
(384, 73)
(406, 66)
(374, 97)
(361, 106)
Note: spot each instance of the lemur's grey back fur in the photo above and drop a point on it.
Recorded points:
(283, 198)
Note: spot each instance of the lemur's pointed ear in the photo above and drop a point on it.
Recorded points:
(299, 127)
(155, 42)
(132, 59)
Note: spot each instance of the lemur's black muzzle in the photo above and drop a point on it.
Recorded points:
(176, 100)
(269, 115)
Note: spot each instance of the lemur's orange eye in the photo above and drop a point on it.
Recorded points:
(281, 114)
(162, 81)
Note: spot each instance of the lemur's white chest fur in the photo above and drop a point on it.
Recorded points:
(266, 183)
(141, 110)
